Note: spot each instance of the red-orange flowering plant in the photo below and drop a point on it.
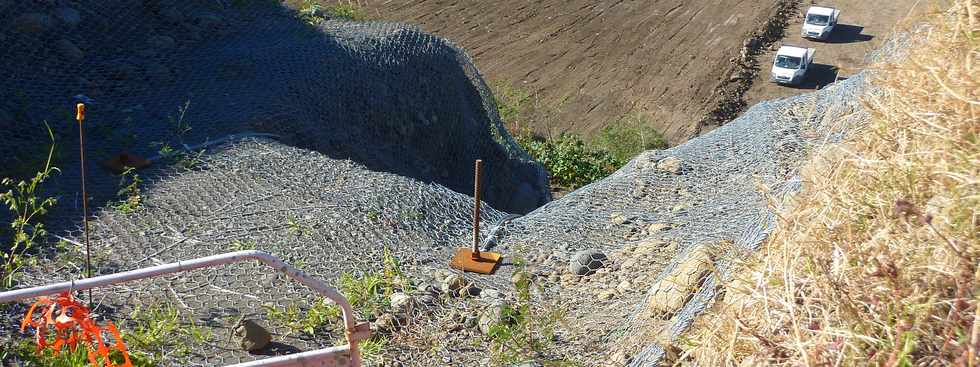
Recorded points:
(62, 321)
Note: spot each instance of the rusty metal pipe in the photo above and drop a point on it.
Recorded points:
(478, 169)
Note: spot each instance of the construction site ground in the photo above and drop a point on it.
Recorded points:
(862, 28)
(592, 62)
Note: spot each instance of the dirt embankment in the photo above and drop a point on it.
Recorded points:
(596, 61)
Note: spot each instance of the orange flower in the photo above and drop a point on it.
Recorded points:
(72, 325)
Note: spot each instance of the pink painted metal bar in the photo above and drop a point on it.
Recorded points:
(354, 332)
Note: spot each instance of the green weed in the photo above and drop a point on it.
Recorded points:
(27, 211)
(526, 330)
(629, 136)
(318, 319)
(129, 192)
(159, 330)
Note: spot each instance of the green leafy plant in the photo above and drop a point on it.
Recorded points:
(180, 125)
(321, 317)
(297, 228)
(27, 211)
(159, 330)
(238, 245)
(348, 11)
(314, 12)
(525, 330)
(571, 163)
(129, 192)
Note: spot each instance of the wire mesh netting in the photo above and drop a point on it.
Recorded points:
(338, 145)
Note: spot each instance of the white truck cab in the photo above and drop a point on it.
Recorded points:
(791, 64)
(819, 22)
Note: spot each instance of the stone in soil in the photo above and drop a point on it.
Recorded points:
(671, 292)
(586, 262)
(452, 283)
(402, 305)
(69, 51)
(162, 43)
(251, 335)
(670, 164)
(490, 317)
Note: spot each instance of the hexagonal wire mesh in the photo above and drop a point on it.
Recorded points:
(365, 101)
(115, 285)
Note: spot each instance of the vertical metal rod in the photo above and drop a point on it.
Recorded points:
(80, 116)
(476, 207)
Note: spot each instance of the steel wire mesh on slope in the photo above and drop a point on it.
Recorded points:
(377, 122)
(387, 96)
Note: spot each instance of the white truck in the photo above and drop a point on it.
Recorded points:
(819, 22)
(791, 64)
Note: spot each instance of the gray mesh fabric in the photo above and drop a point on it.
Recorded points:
(375, 130)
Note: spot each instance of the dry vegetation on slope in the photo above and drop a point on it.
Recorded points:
(876, 262)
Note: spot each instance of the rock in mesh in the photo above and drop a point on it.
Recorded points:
(586, 262)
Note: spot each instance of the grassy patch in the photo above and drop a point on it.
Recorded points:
(572, 161)
(876, 261)
(629, 136)
(130, 194)
(160, 330)
(316, 11)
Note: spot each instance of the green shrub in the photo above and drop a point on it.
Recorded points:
(346, 11)
(570, 162)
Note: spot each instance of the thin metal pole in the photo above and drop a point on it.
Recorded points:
(476, 207)
(80, 116)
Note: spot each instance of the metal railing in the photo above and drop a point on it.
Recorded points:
(346, 355)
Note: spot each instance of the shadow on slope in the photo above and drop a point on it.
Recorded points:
(386, 96)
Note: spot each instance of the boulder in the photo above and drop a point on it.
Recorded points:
(586, 262)
(676, 287)
(670, 164)
(251, 335)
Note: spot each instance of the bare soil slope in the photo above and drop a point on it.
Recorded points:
(596, 61)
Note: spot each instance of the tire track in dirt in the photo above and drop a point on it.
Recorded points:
(596, 61)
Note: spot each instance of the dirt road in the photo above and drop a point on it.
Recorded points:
(862, 27)
(595, 61)
(685, 65)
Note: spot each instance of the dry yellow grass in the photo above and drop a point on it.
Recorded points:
(877, 261)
